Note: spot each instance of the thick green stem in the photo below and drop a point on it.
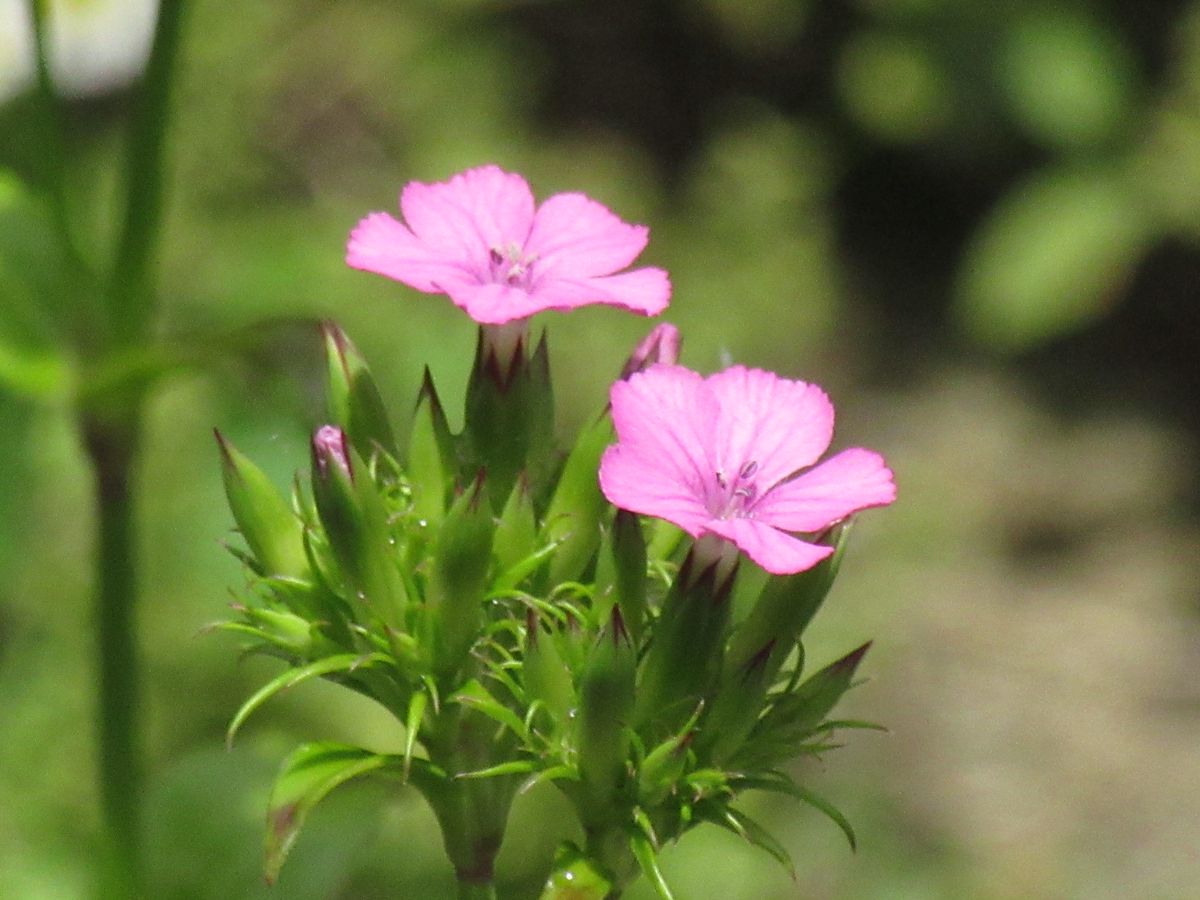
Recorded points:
(468, 890)
(472, 812)
(111, 444)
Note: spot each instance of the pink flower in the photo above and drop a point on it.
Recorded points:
(720, 455)
(479, 239)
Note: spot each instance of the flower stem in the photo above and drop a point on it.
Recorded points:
(131, 295)
(111, 444)
(470, 890)
(472, 812)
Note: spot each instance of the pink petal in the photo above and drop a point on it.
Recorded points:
(628, 483)
(576, 237)
(645, 291)
(781, 425)
(775, 551)
(494, 303)
(465, 218)
(664, 417)
(853, 480)
(382, 245)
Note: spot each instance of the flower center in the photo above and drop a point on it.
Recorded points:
(510, 265)
(733, 499)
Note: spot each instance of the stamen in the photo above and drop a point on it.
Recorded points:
(748, 470)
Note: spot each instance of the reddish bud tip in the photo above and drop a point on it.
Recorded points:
(329, 448)
(661, 345)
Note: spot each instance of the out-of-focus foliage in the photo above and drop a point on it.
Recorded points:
(976, 223)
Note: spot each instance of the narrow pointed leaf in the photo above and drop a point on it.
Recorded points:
(643, 852)
(744, 826)
(476, 696)
(306, 777)
(412, 726)
(346, 662)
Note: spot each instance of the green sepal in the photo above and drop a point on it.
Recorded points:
(291, 633)
(577, 506)
(606, 698)
(329, 665)
(800, 712)
(354, 399)
(355, 522)
(575, 877)
(463, 554)
(306, 777)
(784, 608)
(737, 704)
(663, 766)
(271, 529)
(628, 552)
(477, 697)
(509, 413)
(432, 462)
(685, 655)
(545, 676)
(516, 531)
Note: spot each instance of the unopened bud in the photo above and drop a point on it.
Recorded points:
(661, 345)
(329, 450)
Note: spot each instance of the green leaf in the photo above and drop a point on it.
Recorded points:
(644, 853)
(306, 777)
(514, 767)
(744, 826)
(782, 784)
(1054, 256)
(347, 663)
(476, 696)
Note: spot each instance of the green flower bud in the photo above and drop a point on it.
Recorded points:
(606, 698)
(509, 415)
(354, 400)
(355, 524)
(575, 877)
(462, 557)
(688, 643)
(272, 530)
(432, 465)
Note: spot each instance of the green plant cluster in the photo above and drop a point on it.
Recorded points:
(522, 630)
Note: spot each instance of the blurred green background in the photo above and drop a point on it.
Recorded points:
(977, 224)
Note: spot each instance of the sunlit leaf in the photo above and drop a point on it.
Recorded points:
(1054, 256)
